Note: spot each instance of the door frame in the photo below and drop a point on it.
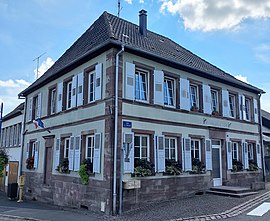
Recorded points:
(218, 181)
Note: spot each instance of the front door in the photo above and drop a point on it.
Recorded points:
(13, 172)
(216, 161)
(48, 166)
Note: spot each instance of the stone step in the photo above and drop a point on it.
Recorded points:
(237, 195)
(230, 189)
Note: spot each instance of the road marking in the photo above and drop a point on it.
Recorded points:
(260, 210)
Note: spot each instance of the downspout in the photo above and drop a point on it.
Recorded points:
(261, 139)
(115, 130)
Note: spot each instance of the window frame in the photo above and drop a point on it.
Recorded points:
(92, 147)
(139, 72)
(91, 73)
(235, 148)
(192, 149)
(214, 99)
(195, 96)
(248, 108)
(250, 147)
(140, 146)
(35, 107)
(52, 100)
(232, 105)
(68, 85)
(66, 149)
(166, 91)
(169, 157)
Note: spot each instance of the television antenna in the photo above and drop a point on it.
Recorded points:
(37, 59)
(119, 8)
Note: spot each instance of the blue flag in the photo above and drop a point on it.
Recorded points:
(40, 123)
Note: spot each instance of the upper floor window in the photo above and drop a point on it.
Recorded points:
(232, 106)
(235, 151)
(169, 92)
(35, 107)
(91, 87)
(170, 148)
(196, 149)
(52, 101)
(141, 85)
(247, 108)
(215, 101)
(250, 151)
(194, 98)
(141, 147)
(68, 94)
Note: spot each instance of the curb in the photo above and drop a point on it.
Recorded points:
(6, 217)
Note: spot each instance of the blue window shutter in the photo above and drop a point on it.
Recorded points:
(97, 153)
(255, 103)
(59, 96)
(259, 155)
(130, 81)
(77, 153)
(225, 103)
(57, 153)
(158, 87)
(187, 154)
(229, 155)
(184, 94)
(36, 154)
(129, 154)
(74, 91)
(207, 107)
(208, 154)
(71, 154)
(80, 89)
(98, 82)
(160, 152)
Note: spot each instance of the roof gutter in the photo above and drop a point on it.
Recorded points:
(116, 129)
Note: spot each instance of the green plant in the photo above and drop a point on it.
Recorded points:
(252, 165)
(173, 167)
(143, 168)
(3, 161)
(86, 169)
(4, 155)
(63, 166)
(197, 167)
(237, 166)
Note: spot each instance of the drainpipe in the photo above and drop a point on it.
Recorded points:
(261, 139)
(115, 130)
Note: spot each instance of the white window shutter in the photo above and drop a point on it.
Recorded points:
(36, 155)
(245, 155)
(158, 87)
(30, 109)
(256, 114)
(77, 153)
(97, 153)
(27, 150)
(225, 103)
(39, 105)
(187, 154)
(71, 154)
(98, 83)
(208, 154)
(129, 154)
(59, 96)
(240, 107)
(74, 91)
(130, 81)
(160, 148)
(184, 94)
(207, 107)
(229, 155)
(244, 108)
(80, 89)
(57, 153)
(259, 155)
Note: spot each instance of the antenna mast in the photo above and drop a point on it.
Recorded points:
(119, 8)
(37, 59)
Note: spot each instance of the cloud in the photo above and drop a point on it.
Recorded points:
(14, 83)
(212, 15)
(241, 78)
(262, 53)
(45, 65)
(129, 1)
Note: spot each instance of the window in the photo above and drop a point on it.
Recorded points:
(32, 148)
(90, 147)
(91, 87)
(141, 147)
(195, 149)
(52, 100)
(19, 133)
(194, 101)
(250, 151)
(247, 107)
(2, 136)
(214, 99)
(170, 148)
(141, 85)
(235, 151)
(11, 136)
(15, 135)
(35, 107)
(68, 94)
(66, 147)
(169, 92)
(232, 106)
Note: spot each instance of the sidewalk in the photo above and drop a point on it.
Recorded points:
(177, 209)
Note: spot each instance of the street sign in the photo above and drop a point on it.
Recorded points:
(127, 124)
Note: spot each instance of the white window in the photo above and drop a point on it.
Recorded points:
(232, 106)
(66, 147)
(215, 102)
(69, 95)
(141, 85)
(250, 151)
(247, 106)
(19, 133)
(170, 148)
(141, 147)
(35, 107)
(169, 92)
(235, 151)
(91, 86)
(194, 101)
(11, 136)
(196, 149)
(90, 147)
(15, 135)
(53, 101)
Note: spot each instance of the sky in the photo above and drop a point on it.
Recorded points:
(232, 35)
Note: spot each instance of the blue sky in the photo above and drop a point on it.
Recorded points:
(233, 35)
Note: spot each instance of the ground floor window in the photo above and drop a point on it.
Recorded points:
(66, 147)
(196, 149)
(170, 148)
(141, 147)
(250, 151)
(235, 151)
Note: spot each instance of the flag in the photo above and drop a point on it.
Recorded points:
(35, 123)
(40, 123)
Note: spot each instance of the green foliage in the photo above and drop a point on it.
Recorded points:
(197, 167)
(63, 166)
(253, 166)
(143, 168)
(237, 166)
(83, 174)
(4, 155)
(3, 161)
(173, 167)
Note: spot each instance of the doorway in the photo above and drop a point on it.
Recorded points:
(48, 166)
(216, 162)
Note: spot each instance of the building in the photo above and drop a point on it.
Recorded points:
(121, 86)
(11, 137)
(266, 141)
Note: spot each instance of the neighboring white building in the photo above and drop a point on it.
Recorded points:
(11, 136)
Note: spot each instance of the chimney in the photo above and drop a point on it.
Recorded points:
(143, 22)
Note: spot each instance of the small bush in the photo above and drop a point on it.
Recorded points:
(253, 166)
(63, 166)
(143, 168)
(173, 167)
(197, 167)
